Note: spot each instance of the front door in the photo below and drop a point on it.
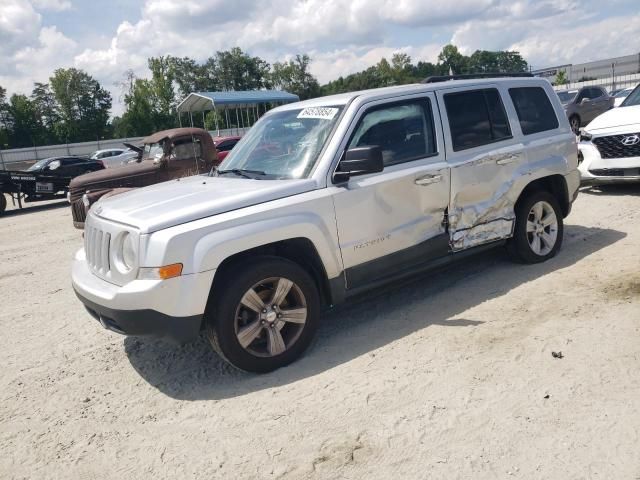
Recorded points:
(485, 160)
(393, 220)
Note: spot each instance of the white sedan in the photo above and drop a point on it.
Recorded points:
(116, 157)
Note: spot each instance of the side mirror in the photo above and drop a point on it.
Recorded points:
(584, 100)
(359, 161)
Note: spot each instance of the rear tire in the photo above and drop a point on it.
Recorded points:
(264, 314)
(539, 229)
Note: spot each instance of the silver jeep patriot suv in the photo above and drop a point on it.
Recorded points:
(324, 199)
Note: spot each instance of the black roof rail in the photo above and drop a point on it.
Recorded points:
(471, 76)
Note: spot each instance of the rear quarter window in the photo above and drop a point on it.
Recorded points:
(534, 110)
(476, 118)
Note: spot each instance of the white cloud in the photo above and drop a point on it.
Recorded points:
(329, 66)
(19, 26)
(581, 42)
(29, 51)
(341, 36)
(53, 5)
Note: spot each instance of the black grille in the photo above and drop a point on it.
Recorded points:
(77, 211)
(612, 147)
(616, 172)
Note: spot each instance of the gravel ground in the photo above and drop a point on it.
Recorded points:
(450, 376)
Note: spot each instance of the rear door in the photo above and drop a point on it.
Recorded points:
(393, 220)
(485, 155)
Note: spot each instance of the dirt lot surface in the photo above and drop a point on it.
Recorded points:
(451, 376)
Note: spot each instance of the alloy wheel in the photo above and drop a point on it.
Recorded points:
(270, 317)
(542, 228)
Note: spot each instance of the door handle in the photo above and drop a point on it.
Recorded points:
(428, 180)
(506, 159)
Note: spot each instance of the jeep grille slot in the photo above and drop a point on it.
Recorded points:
(612, 146)
(97, 244)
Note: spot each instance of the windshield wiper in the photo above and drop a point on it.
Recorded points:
(242, 172)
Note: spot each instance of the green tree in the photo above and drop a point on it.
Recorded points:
(4, 119)
(46, 110)
(423, 70)
(162, 93)
(294, 77)
(140, 115)
(401, 68)
(484, 61)
(452, 59)
(83, 105)
(561, 78)
(23, 121)
(236, 70)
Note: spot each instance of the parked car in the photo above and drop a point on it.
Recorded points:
(610, 145)
(66, 166)
(325, 199)
(224, 145)
(167, 155)
(116, 157)
(47, 179)
(619, 97)
(585, 104)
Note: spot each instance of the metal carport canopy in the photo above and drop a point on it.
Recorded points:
(201, 101)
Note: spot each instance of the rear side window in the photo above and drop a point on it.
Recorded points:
(476, 118)
(534, 109)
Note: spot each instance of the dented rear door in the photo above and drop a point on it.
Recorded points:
(486, 156)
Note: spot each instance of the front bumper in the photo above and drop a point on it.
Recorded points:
(597, 170)
(171, 309)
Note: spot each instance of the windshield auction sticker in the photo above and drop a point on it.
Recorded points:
(324, 113)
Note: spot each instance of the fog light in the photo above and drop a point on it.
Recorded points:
(85, 201)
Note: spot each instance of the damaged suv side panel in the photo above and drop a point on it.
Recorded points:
(492, 160)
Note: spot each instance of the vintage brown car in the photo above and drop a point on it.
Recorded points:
(175, 153)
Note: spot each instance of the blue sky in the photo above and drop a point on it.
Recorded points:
(108, 37)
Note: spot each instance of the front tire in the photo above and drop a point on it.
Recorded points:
(264, 315)
(3, 203)
(539, 229)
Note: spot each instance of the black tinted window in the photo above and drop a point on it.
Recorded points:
(404, 131)
(584, 93)
(226, 146)
(595, 93)
(534, 109)
(476, 118)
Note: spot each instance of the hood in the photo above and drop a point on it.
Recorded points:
(618, 120)
(107, 176)
(171, 203)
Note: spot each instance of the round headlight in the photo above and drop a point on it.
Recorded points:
(85, 201)
(128, 251)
